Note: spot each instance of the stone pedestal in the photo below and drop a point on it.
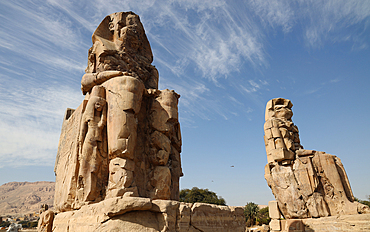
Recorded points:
(133, 214)
(357, 222)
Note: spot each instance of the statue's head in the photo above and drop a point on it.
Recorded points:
(96, 100)
(122, 31)
(120, 44)
(120, 21)
(279, 108)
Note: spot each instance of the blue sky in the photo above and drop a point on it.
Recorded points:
(225, 58)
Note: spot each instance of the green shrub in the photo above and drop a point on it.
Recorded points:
(200, 195)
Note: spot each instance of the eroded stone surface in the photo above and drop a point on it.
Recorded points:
(274, 212)
(208, 217)
(45, 223)
(92, 155)
(306, 183)
(143, 214)
(359, 222)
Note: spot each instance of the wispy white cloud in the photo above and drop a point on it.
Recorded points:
(322, 87)
(40, 36)
(322, 21)
(200, 6)
(312, 90)
(329, 21)
(204, 33)
(69, 8)
(193, 100)
(252, 89)
(274, 13)
(37, 23)
(31, 120)
(218, 44)
(253, 86)
(334, 80)
(213, 39)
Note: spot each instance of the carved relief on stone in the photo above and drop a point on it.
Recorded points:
(305, 183)
(121, 178)
(161, 182)
(165, 143)
(92, 154)
(67, 163)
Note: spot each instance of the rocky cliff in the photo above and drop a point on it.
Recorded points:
(25, 197)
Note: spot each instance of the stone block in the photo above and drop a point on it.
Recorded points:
(133, 214)
(268, 134)
(217, 218)
(295, 225)
(276, 133)
(270, 145)
(357, 222)
(280, 154)
(286, 162)
(268, 125)
(283, 224)
(270, 158)
(274, 212)
(275, 225)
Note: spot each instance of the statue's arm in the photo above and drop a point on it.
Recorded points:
(82, 135)
(103, 119)
(89, 80)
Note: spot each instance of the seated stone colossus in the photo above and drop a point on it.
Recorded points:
(124, 139)
(305, 183)
(118, 163)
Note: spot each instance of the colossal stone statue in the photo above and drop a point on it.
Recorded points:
(124, 139)
(118, 164)
(305, 183)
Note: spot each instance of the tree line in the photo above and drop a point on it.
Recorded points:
(253, 214)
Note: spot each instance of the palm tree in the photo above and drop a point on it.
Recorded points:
(250, 213)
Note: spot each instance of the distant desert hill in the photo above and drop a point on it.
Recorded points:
(262, 206)
(25, 197)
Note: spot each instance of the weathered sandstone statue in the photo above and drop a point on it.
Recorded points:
(124, 139)
(305, 183)
(118, 164)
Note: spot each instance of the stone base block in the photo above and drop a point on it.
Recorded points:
(294, 225)
(274, 211)
(275, 225)
(357, 222)
(142, 214)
